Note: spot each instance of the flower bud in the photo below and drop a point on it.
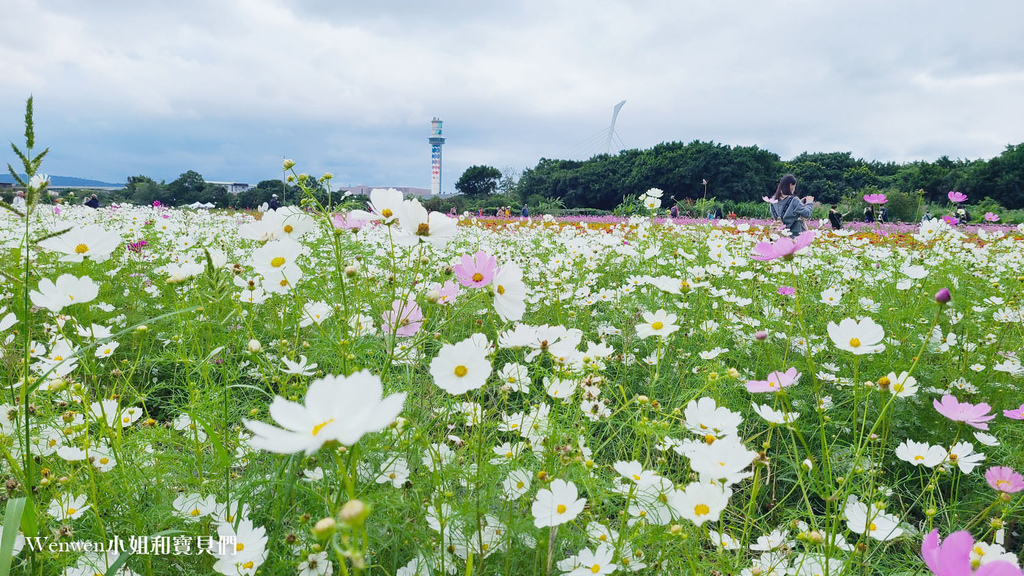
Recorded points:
(288, 164)
(350, 271)
(943, 296)
(255, 346)
(354, 513)
(761, 335)
(324, 528)
(433, 296)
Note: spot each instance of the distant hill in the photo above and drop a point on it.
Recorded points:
(67, 181)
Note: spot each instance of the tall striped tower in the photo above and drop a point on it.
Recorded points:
(436, 141)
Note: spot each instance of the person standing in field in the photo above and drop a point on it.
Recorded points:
(789, 208)
(835, 218)
(674, 212)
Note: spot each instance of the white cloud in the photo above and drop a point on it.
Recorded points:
(224, 87)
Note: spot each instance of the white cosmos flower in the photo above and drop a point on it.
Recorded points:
(80, 242)
(596, 562)
(67, 290)
(416, 225)
(239, 553)
(509, 292)
(920, 453)
(557, 505)
(700, 502)
(862, 518)
(774, 416)
(315, 313)
(339, 408)
(460, 367)
(862, 337)
(66, 507)
(659, 323)
(516, 484)
(516, 376)
(300, 368)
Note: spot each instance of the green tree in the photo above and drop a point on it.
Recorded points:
(478, 181)
(188, 188)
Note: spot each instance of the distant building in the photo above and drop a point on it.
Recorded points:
(407, 190)
(231, 187)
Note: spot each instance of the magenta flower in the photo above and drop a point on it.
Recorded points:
(1015, 414)
(991, 217)
(405, 318)
(951, 220)
(953, 557)
(875, 198)
(787, 290)
(1004, 479)
(943, 296)
(975, 415)
(476, 271)
(783, 247)
(156, 203)
(955, 196)
(776, 381)
(343, 221)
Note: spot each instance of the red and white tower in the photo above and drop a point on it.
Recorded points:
(436, 141)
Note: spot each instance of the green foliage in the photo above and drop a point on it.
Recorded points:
(478, 181)
(744, 174)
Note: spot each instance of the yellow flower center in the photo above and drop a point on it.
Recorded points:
(72, 510)
(387, 213)
(519, 485)
(595, 568)
(392, 475)
(635, 477)
(288, 228)
(81, 249)
(872, 527)
(918, 457)
(423, 229)
(320, 426)
(701, 510)
(603, 537)
(104, 460)
(461, 371)
(248, 565)
(477, 277)
(195, 512)
(657, 325)
(854, 342)
(709, 439)
(277, 262)
(1000, 484)
(561, 509)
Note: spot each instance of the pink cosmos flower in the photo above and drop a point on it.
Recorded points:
(343, 221)
(407, 316)
(156, 203)
(1004, 479)
(953, 557)
(951, 220)
(991, 217)
(1015, 414)
(787, 290)
(476, 271)
(783, 247)
(955, 196)
(875, 198)
(447, 292)
(776, 381)
(975, 415)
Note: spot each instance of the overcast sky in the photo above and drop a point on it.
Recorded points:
(230, 87)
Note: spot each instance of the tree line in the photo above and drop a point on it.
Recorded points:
(736, 174)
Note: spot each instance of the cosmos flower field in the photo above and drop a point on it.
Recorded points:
(394, 391)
